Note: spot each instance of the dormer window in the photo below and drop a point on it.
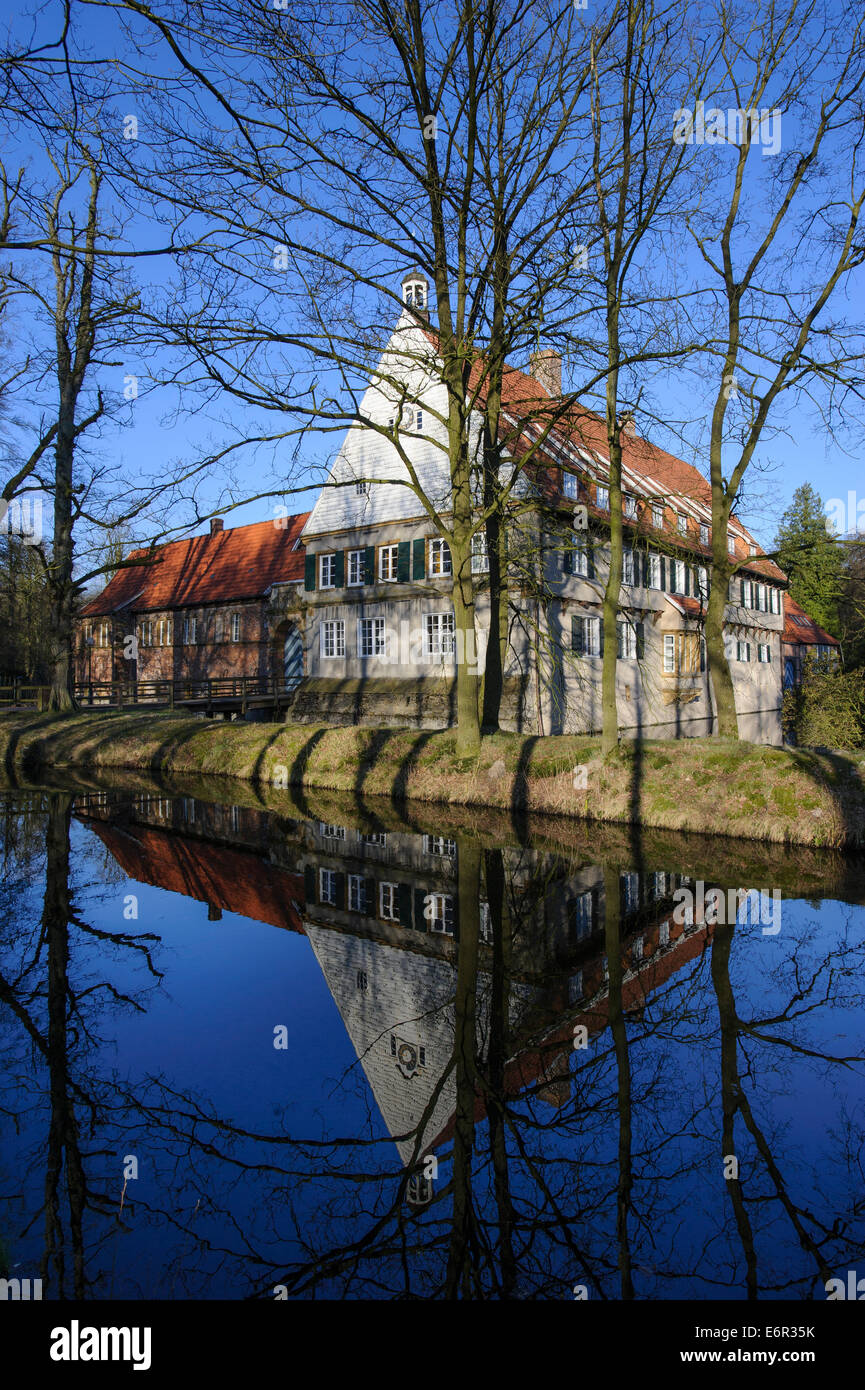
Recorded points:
(682, 523)
(629, 506)
(569, 486)
(704, 533)
(602, 497)
(658, 516)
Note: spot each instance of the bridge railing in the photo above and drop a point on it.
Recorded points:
(207, 691)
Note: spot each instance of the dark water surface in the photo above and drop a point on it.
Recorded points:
(341, 1049)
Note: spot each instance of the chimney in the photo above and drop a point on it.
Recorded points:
(216, 525)
(415, 294)
(547, 370)
(627, 425)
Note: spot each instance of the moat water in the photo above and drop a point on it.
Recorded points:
(324, 1047)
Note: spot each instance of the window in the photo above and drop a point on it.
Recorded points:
(704, 533)
(356, 568)
(440, 907)
(627, 565)
(419, 421)
(658, 516)
(189, 630)
(629, 506)
(327, 571)
(743, 651)
(731, 545)
(331, 832)
(356, 893)
(702, 582)
(583, 916)
(362, 982)
(677, 576)
(575, 988)
(602, 497)
(388, 901)
(570, 487)
(439, 634)
(683, 653)
(580, 555)
(626, 640)
(480, 558)
(371, 637)
(747, 594)
(437, 844)
(103, 634)
(653, 572)
(637, 949)
(333, 638)
(774, 600)
(439, 559)
(760, 596)
(752, 550)
(629, 889)
(387, 562)
(235, 627)
(165, 632)
(377, 840)
(664, 932)
(586, 634)
(764, 651)
(327, 886)
(361, 487)
(682, 523)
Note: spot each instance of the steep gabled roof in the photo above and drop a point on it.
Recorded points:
(799, 627)
(576, 440)
(241, 562)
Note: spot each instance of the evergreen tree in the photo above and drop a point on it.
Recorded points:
(811, 557)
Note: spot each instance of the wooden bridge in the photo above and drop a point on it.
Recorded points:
(223, 695)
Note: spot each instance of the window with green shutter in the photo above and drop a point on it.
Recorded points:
(403, 562)
(339, 579)
(419, 559)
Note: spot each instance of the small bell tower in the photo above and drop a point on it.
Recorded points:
(415, 293)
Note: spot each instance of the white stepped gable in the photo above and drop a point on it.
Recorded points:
(409, 358)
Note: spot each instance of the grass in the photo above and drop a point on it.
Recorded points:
(801, 796)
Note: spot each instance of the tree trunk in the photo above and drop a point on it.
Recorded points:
(609, 709)
(721, 682)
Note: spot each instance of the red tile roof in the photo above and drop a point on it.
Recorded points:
(231, 879)
(240, 562)
(798, 627)
(522, 394)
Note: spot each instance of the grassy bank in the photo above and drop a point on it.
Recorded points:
(776, 795)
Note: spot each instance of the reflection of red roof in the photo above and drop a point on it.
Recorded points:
(662, 474)
(237, 563)
(232, 879)
(799, 627)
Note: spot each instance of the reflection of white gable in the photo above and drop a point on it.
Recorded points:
(409, 358)
(401, 1025)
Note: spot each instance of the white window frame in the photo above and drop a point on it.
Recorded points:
(356, 561)
(629, 639)
(327, 566)
(442, 918)
(702, 582)
(764, 652)
(439, 634)
(627, 565)
(602, 498)
(371, 637)
(388, 901)
(774, 600)
(658, 515)
(327, 886)
(440, 846)
(629, 506)
(190, 628)
(704, 533)
(731, 544)
(682, 523)
(356, 893)
(235, 627)
(332, 635)
(440, 563)
(654, 579)
(580, 555)
(584, 915)
(747, 593)
(388, 558)
(570, 486)
(480, 558)
(669, 653)
(743, 646)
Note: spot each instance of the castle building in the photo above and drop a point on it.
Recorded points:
(350, 606)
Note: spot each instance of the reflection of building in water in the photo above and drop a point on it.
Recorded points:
(381, 913)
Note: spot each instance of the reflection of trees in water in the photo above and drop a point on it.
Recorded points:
(559, 1167)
